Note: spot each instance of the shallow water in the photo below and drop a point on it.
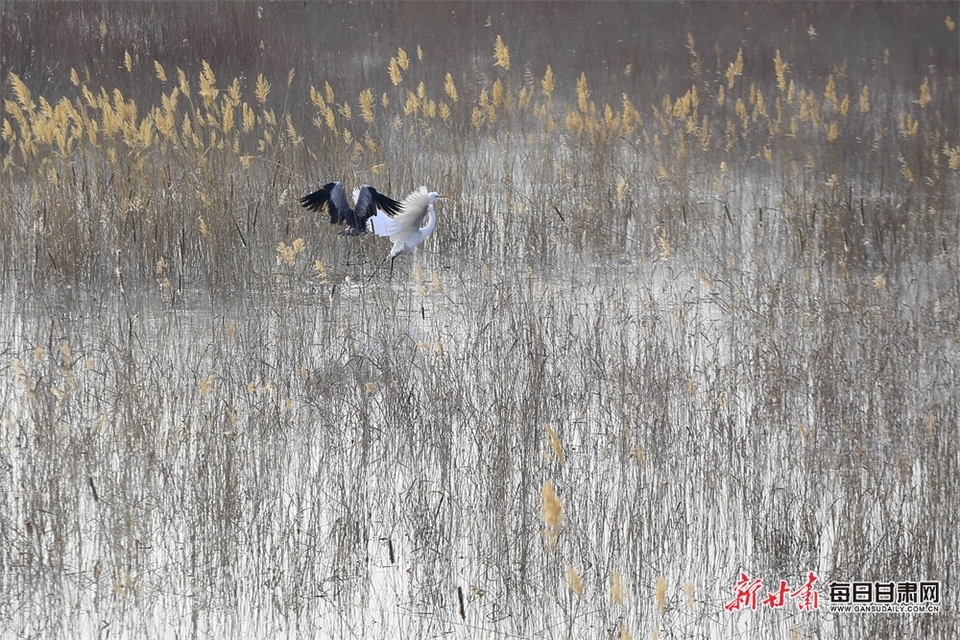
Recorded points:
(721, 363)
(351, 464)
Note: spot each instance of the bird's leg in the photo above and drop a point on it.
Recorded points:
(391, 265)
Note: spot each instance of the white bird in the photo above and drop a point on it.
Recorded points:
(369, 202)
(406, 229)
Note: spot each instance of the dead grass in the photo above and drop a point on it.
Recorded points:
(659, 338)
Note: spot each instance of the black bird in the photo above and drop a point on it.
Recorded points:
(334, 196)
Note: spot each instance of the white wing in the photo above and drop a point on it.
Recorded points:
(413, 210)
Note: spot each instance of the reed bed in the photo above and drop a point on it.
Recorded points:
(658, 338)
(188, 185)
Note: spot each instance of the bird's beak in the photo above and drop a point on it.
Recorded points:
(449, 197)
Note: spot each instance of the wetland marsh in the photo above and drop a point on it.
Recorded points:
(693, 312)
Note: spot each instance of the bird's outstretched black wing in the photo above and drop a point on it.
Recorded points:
(334, 196)
(391, 206)
(369, 201)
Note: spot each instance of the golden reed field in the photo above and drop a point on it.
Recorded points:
(689, 320)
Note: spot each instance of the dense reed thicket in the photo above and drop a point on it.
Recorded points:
(692, 311)
(193, 176)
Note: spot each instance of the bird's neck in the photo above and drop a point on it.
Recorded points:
(431, 221)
